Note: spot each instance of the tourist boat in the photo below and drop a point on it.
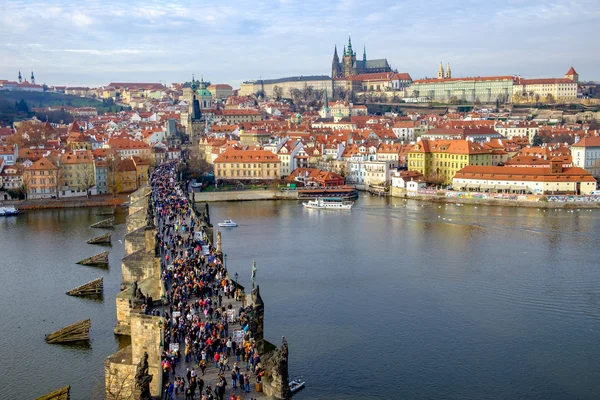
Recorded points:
(329, 203)
(296, 385)
(228, 223)
(8, 211)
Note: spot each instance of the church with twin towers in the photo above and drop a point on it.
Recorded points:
(350, 66)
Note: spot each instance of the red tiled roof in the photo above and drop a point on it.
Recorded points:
(572, 174)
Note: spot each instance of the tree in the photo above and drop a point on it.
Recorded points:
(295, 94)
(549, 98)
(536, 140)
(415, 93)
(25, 183)
(277, 92)
(537, 97)
(114, 178)
(517, 98)
(45, 87)
(435, 178)
(87, 178)
(58, 179)
(453, 100)
(497, 104)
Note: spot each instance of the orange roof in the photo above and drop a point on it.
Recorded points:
(43, 164)
(544, 81)
(254, 156)
(79, 157)
(571, 71)
(590, 141)
(572, 174)
(449, 146)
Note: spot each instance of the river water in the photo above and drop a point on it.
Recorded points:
(387, 301)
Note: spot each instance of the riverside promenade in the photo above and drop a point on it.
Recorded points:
(212, 331)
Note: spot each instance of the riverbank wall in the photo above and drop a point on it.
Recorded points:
(80, 202)
(243, 195)
(496, 199)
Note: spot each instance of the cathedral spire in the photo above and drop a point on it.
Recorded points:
(441, 71)
(193, 83)
(32, 78)
(20, 77)
(365, 53)
(349, 46)
(335, 54)
(448, 72)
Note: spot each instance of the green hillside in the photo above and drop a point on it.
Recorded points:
(12, 108)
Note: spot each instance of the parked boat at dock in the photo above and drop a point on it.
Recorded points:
(329, 203)
(8, 211)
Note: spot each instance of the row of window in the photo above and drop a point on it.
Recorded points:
(245, 165)
(245, 173)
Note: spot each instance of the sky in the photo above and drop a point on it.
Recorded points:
(93, 43)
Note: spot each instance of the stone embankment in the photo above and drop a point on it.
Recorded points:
(77, 202)
(487, 199)
(244, 195)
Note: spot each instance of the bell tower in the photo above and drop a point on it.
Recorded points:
(441, 71)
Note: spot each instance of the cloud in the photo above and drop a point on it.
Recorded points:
(81, 20)
(277, 38)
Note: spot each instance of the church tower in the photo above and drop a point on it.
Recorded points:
(336, 71)
(441, 71)
(325, 112)
(349, 59)
(20, 77)
(195, 126)
(572, 75)
(448, 73)
(32, 78)
(365, 55)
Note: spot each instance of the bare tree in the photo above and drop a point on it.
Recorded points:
(87, 179)
(277, 92)
(114, 180)
(25, 184)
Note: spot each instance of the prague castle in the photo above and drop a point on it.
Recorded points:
(350, 66)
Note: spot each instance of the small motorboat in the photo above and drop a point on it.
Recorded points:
(8, 211)
(227, 223)
(296, 385)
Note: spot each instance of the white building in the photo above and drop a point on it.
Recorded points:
(586, 154)
(9, 154)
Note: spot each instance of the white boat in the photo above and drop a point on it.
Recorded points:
(8, 211)
(329, 203)
(227, 223)
(296, 385)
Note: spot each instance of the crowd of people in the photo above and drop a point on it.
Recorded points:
(199, 312)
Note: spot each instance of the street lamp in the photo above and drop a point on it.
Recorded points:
(236, 279)
(225, 259)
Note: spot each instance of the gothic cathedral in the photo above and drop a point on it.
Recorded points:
(350, 66)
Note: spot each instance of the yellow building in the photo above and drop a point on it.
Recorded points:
(439, 160)
(247, 165)
(76, 173)
(40, 179)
